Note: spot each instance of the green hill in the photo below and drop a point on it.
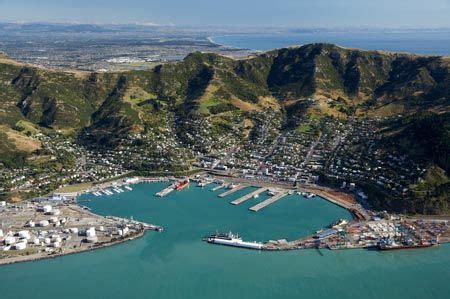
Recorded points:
(223, 100)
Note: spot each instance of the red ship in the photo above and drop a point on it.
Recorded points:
(181, 185)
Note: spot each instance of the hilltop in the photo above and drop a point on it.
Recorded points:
(207, 103)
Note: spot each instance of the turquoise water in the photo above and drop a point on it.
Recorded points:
(427, 43)
(177, 264)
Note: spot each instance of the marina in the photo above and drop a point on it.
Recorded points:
(232, 190)
(249, 196)
(269, 201)
(218, 187)
(165, 191)
(156, 259)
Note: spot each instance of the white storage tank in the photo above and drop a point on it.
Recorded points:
(53, 219)
(55, 244)
(125, 230)
(10, 240)
(90, 232)
(20, 246)
(31, 223)
(43, 223)
(47, 208)
(24, 234)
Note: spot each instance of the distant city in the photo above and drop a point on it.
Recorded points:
(105, 47)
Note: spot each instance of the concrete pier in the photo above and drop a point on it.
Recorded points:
(269, 201)
(248, 196)
(218, 187)
(204, 183)
(165, 191)
(231, 191)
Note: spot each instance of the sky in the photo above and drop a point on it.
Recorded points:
(255, 13)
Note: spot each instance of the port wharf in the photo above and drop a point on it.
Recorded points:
(218, 187)
(337, 197)
(269, 201)
(249, 196)
(362, 217)
(237, 188)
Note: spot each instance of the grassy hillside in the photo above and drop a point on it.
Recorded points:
(208, 102)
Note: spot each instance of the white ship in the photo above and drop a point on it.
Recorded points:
(232, 240)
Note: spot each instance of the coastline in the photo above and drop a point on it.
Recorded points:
(337, 197)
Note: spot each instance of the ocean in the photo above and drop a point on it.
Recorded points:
(426, 43)
(178, 264)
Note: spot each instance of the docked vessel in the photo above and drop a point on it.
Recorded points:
(310, 195)
(181, 185)
(390, 244)
(401, 246)
(233, 186)
(231, 239)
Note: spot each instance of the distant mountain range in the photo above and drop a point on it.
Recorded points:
(103, 108)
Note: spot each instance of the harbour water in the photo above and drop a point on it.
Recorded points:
(177, 264)
(426, 43)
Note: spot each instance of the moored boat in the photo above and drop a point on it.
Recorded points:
(181, 185)
(231, 239)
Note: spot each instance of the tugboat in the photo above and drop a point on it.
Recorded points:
(230, 239)
(181, 185)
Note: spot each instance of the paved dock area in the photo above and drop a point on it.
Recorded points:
(249, 196)
(232, 191)
(165, 191)
(267, 202)
(218, 187)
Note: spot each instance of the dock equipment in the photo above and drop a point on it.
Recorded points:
(267, 202)
(249, 196)
(231, 191)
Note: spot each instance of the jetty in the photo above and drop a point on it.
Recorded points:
(231, 191)
(165, 191)
(249, 196)
(269, 201)
(218, 187)
(203, 183)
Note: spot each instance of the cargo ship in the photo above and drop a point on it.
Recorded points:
(401, 246)
(181, 185)
(231, 239)
(390, 244)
